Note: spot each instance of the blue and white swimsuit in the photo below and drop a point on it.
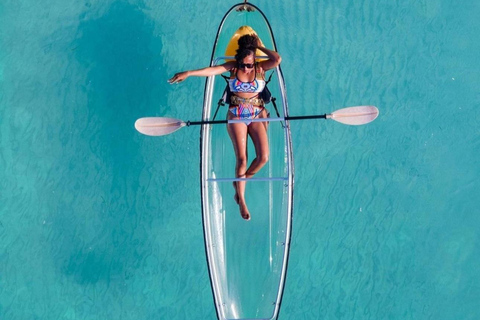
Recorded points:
(245, 110)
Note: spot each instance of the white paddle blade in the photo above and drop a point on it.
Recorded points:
(156, 126)
(355, 115)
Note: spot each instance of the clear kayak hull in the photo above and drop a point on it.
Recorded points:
(247, 260)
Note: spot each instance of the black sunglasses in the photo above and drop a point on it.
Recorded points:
(248, 65)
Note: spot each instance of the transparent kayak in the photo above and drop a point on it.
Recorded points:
(247, 260)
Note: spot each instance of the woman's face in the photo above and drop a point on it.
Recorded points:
(247, 64)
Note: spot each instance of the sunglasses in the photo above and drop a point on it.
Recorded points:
(246, 65)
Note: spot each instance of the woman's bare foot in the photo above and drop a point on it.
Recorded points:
(244, 211)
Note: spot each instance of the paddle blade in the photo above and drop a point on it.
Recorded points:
(355, 115)
(156, 126)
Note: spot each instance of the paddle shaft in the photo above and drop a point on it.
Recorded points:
(317, 116)
(194, 123)
(159, 126)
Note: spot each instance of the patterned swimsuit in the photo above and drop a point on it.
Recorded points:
(246, 110)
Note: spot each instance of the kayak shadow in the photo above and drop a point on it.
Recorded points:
(119, 53)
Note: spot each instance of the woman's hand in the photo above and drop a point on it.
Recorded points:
(258, 43)
(179, 77)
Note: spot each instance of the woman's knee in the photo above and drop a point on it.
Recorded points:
(242, 162)
(263, 158)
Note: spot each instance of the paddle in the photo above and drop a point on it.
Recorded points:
(157, 126)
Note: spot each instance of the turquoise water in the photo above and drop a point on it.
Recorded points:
(99, 222)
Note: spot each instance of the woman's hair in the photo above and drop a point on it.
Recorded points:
(246, 46)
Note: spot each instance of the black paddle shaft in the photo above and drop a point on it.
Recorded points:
(317, 116)
(196, 123)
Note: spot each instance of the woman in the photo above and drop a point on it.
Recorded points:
(247, 81)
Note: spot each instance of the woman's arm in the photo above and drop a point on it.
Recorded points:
(274, 58)
(273, 61)
(204, 72)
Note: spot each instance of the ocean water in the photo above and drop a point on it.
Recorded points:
(100, 222)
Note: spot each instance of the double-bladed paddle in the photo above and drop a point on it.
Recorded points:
(159, 126)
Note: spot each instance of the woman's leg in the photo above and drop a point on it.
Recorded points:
(258, 133)
(238, 134)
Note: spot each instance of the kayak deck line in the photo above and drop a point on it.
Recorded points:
(256, 120)
(246, 179)
(218, 59)
(247, 121)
